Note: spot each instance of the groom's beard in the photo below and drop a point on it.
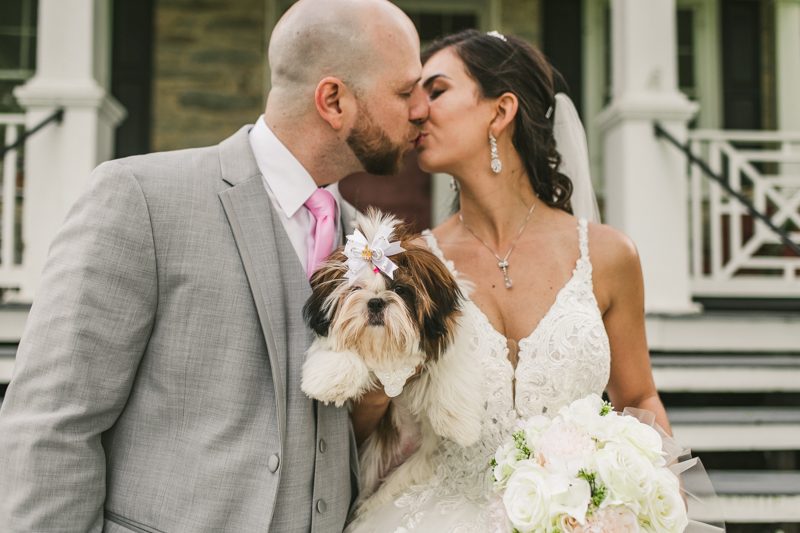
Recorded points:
(373, 147)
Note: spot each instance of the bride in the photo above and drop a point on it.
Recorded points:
(559, 301)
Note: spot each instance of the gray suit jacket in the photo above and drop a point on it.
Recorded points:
(157, 384)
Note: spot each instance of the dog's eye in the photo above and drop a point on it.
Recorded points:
(356, 288)
(400, 290)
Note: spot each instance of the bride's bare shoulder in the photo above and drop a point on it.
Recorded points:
(611, 250)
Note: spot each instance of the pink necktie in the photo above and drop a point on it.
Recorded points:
(323, 207)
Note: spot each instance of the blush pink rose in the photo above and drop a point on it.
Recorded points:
(608, 520)
(562, 440)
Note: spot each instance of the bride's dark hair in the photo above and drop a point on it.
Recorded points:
(513, 66)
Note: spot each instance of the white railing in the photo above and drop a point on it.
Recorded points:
(733, 254)
(11, 174)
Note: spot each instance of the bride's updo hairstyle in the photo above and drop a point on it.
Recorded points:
(513, 66)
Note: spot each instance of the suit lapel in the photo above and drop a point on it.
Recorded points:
(274, 273)
(254, 234)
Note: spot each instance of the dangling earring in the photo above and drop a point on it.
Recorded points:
(453, 184)
(497, 165)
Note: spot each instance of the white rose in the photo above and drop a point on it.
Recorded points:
(507, 457)
(665, 509)
(570, 496)
(527, 498)
(628, 475)
(642, 438)
(605, 429)
(582, 412)
(533, 428)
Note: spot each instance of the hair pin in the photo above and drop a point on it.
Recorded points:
(495, 33)
(549, 112)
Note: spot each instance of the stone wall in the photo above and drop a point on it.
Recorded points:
(208, 72)
(523, 19)
(210, 66)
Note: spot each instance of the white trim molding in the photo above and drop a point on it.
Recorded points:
(68, 94)
(646, 106)
(645, 183)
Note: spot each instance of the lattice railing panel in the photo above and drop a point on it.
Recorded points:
(732, 253)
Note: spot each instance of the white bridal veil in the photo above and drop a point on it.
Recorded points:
(571, 144)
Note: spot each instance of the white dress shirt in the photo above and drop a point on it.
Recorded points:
(289, 186)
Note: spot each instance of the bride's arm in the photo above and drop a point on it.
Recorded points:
(620, 292)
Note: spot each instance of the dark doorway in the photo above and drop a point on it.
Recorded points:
(434, 24)
(407, 195)
(131, 73)
(563, 44)
(741, 64)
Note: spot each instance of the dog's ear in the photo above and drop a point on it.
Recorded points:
(318, 310)
(439, 299)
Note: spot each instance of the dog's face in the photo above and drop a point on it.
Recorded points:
(381, 318)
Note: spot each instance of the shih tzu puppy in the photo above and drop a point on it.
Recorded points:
(384, 308)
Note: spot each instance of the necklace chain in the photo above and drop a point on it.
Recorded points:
(502, 263)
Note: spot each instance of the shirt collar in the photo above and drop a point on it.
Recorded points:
(288, 180)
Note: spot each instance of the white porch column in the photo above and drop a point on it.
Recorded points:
(645, 178)
(787, 69)
(73, 72)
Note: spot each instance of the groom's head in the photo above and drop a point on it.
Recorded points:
(345, 73)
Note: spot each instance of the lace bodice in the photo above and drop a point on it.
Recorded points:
(565, 358)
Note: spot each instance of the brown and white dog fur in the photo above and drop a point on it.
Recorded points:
(414, 319)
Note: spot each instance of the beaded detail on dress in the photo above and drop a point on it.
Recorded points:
(566, 357)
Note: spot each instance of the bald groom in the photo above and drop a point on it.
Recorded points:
(157, 385)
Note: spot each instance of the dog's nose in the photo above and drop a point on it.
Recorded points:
(375, 305)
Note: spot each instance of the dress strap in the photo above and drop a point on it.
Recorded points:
(433, 244)
(583, 238)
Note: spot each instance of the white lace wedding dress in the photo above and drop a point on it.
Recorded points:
(565, 358)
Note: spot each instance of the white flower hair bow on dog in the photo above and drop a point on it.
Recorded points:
(361, 254)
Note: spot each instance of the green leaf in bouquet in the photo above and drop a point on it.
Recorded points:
(521, 443)
(599, 491)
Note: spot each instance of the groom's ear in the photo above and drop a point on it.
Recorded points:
(506, 107)
(334, 101)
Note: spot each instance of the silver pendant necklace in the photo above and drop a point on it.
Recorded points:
(502, 263)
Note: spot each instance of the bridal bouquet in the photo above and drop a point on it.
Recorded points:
(587, 470)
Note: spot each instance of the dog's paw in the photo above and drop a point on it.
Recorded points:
(334, 377)
(463, 428)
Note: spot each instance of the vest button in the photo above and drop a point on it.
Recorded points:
(322, 445)
(273, 463)
(322, 506)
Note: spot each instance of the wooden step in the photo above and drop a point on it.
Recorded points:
(7, 354)
(725, 331)
(748, 496)
(736, 428)
(726, 373)
(12, 321)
